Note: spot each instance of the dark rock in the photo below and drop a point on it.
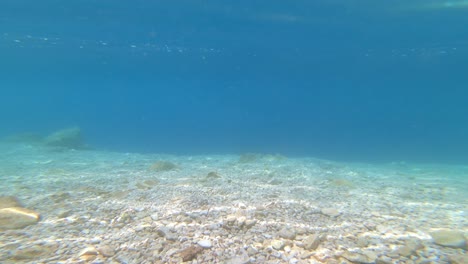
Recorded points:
(190, 253)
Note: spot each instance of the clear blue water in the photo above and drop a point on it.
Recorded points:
(344, 80)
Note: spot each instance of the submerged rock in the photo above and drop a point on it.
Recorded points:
(66, 138)
(277, 244)
(449, 238)
(332, 212)
(190, 253)
(159, 166)
(287, 232)
(32, 253)
(213, 175)
(17, 217)
(312, 242)
(249, 157)
(360, 257)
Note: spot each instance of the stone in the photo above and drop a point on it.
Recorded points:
(213, 175)
(190, 253)
(165, 232)
(287, 233)
(449, 238)
(410, 247)
(88, 251)
(160, 166)
(250, 223)
(384, 260)
(312, 242)
(17, 217)
(147, 184)
(241, 258)
(31, 253)
(364, 258)
(204, 243)
(9, 201)
(362, 242)
(249, 157)
(64, 213)
(251, 251)
(330, 212)
(66, 138)
(404, 251)
(277, 244)
(106, 251)
(88, 254)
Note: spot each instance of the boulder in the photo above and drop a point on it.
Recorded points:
(66, 138)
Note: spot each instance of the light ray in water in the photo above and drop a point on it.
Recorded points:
(436, 5)
(8, 40)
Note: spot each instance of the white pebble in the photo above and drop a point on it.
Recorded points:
(204, 243)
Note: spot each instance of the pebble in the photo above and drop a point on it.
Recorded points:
(88, 254)
(106, 251)
(205, 243)
(330, 212)
(165, 232)
(277, 244)
(287, 233)
(95, 240)
(312, 242)
(366, 257)
(190, 253)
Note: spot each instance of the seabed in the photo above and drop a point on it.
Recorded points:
(108, 207)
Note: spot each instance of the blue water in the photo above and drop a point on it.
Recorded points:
(344, 80)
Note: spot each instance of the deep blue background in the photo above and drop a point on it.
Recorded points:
(349, 80)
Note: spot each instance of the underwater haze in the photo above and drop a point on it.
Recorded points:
(237, 132)
(343, 80)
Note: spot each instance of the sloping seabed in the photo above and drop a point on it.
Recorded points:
(106, 207)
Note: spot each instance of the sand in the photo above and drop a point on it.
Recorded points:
(108, 207)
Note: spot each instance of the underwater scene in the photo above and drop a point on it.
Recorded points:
(236, 132)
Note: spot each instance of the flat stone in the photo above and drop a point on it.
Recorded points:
(404, 251)
(449, 238)
(106, 251)
(277, 244)
(190, 253)
(165, 232)
(365, 257)
(287, 233)
(88, 251)
(88, 254)
(31, 253)
(250, 223)
(409, 248)
(205, 243)
(160, 166)
(330, 212)
(17, 217)
(312, 242)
